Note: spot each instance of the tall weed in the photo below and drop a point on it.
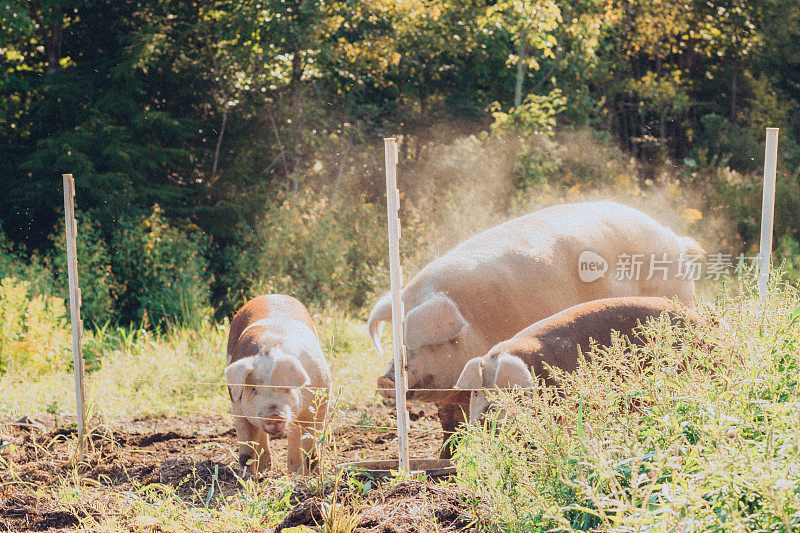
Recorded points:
(670, 436)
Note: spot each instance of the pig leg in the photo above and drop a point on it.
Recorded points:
(300, 436)
(313, 430)
(450, 416)
(303, 453)
(253, 446)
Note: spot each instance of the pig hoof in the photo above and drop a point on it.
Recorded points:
(246, 464)
(446, 452)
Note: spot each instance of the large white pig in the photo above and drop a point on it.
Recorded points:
(496, 283)
(278, 379)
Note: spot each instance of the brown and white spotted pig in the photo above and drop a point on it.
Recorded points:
(278, 379)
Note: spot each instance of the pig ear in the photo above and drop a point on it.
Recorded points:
(472, 376)
(436, 321)
(382, 312)
(287, 372)
(512, 371)
(236, 375)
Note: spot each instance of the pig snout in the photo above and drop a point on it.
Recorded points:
(274, 425)
(386, 387)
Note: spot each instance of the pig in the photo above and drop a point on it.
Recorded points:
(558, 341)
(492, 285)
(278, 379)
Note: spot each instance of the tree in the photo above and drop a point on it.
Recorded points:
(77, 105)
(530, 25)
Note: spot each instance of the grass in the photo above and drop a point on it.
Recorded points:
(144, 374)
(662, 438)
(159, 508)
(153, 375)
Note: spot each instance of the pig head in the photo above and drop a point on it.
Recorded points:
(268, 389)
(503, 371)
(438, 340)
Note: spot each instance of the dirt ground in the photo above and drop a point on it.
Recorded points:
(189, 453)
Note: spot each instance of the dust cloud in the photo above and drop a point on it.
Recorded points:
(465, 185)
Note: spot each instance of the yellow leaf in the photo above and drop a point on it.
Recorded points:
(692, 215)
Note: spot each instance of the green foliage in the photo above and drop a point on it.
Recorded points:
(165, 271)
(528, 23)
(99, 288)
(696, 436)
(210, 109)
(34, 337)
(31, 268)
(788, 258)
(319, 254)
(730, 142)
(536, 115)
(9, 258)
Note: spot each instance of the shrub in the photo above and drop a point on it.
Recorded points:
(99, 288)
(34, 269)
(316, 253)
(34, 335)
(163, 271)
(788, 256)
(9, 260)
(730, 143)
(536, 115)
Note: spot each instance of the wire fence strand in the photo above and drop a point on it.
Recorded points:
(255, 385)
(337, 419)
(348, 421)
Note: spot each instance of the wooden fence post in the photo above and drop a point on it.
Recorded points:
(75, 310)
(396, 276)
(767, 209)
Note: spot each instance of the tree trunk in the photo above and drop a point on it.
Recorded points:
(298, 105)
(732, 111)
(281, 149)
(54, 43)
(662, 119)
(219, 142)
(337, 183)
(52, 36)
(522, 53)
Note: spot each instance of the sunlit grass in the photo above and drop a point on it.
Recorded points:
(662, 438)
(144, 374)
(701, 439)
(159, 508)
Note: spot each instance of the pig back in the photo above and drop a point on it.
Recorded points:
(275, 306)
(554, 341)
(527, 269)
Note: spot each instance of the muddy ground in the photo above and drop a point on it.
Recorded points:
(190, 453)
